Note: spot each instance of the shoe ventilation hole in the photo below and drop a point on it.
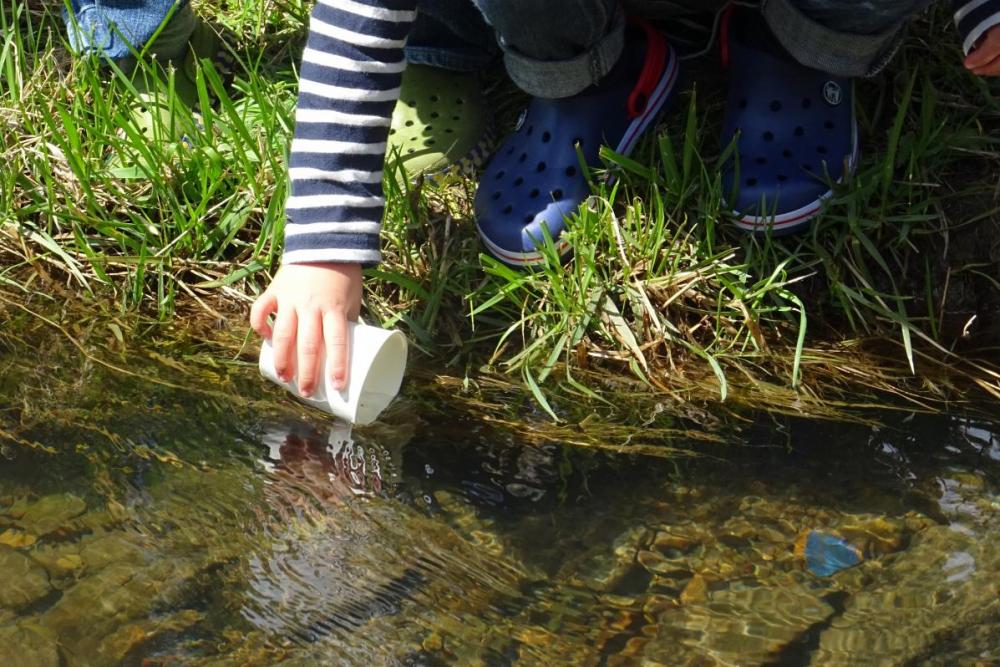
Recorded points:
(456, 118)
(800, 131)
(761, 160)
(787, 154)
(531, 128)
(828, 124)
(742, 104)
(546, 137)
(782, 178)
(807, 167)
(409, 123)
(459, 100)
(435, 98)
(524, 156)
(508, 209)
(519, 181)
(556, 195)
(410, 151)
(806, 102)
(571, 171)
(769, 136)
(448, 130)
(435, 115)
(412, 103)
(528, 219)
(497, 195)
(534, 194)
(510, 151)
(430, 142)
(751, 182)
(821, 150)
(428, 128)
(775, 105)
(540, 168)
(392, 131)
(500, 174)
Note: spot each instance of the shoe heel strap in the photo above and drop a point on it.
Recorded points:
(657, 52)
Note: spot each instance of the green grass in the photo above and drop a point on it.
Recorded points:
(895, 288)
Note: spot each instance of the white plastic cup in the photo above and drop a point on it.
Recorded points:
(376, 365)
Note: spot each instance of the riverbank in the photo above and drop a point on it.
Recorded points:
(894, 290)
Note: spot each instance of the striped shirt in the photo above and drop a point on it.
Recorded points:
(350, 76)
(351, 72)
(973, 18)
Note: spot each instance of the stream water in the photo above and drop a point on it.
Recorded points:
(213, 523)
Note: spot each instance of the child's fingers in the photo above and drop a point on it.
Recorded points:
(265, 305)
(337, 352)
(985, 52)
(309, 346)
(990, 69)
(283, 339)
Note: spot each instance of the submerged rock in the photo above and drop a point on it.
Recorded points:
(25, 581)
(738, 626)
(62, 562)
(51, 513)
(89, 616)
(943, 586)
(17, 539)
(24, 647)
(110, 549)
(878, 536)
(696, 590)
(130, 638)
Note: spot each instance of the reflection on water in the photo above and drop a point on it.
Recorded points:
(178, 530)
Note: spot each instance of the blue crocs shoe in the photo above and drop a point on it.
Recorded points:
(795, 128)
(534, 181)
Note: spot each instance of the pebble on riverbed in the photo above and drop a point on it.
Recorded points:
(25, 647)
(25, 581)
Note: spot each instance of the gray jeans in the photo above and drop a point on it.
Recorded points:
(842, 37)
(556, 48)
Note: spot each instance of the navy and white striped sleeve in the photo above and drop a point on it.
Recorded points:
(350, 77)
(973, 18)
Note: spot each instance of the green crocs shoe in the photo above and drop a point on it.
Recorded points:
(172, 118)
(441, 123)
(204, 44)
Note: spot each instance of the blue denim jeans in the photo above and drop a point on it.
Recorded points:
(113, 29)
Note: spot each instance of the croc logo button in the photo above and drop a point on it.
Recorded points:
(520, 120)
(832, 93)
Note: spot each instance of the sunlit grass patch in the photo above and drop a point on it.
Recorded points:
(186, 213)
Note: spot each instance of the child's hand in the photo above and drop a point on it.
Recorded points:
(985, 57)
(313, 303)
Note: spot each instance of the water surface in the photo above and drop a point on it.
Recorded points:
(213, 523)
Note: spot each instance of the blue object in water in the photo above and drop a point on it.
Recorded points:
(827, 554)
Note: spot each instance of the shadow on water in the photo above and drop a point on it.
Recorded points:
(203, 520)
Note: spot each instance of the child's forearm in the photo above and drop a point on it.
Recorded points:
(973, 18)
(350, 78)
